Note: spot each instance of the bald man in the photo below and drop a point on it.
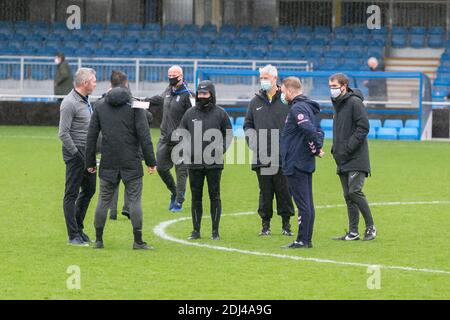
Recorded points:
(377, 86)
(175, 100)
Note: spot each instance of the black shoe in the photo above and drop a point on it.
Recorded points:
(287, 232)
(349, 236)
(215, 235)
(310, 245)
(84, 237)
(265, 232)
(370, 234)
(194, 235)
(113, 216)
(126, 214)
(77, 242)
(98, 245)
(297, 245)
(141, 246)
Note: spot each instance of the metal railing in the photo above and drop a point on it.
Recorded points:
(28, 75)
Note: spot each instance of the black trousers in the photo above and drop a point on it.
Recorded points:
(352, 184)
(80, 187)
(196, 181)
(164, 164)
(270, 186)
(300, 185)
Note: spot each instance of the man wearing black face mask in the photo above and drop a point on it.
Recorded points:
(175, 100)
(205, 119)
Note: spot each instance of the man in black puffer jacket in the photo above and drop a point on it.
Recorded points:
(124, 129)
(351, 153)
(206, 136)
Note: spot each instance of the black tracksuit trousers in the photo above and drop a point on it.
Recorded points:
(196, 181)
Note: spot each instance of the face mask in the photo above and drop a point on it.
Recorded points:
(335, 92)
(203, 103)
(173, 81)
(283, 98)
(266, 85)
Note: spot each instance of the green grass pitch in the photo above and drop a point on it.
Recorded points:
(35, 256)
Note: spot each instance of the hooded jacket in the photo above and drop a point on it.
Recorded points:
(210, 116)
(350, 128)
(265, 114)
(63, 79)
(302, 137)
(175, 102)
(124, 131)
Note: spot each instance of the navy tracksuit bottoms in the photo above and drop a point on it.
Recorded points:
(300, 186)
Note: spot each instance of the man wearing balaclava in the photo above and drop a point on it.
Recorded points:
(206, 133)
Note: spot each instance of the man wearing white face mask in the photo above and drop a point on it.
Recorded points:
(351, 153)
(266, 111)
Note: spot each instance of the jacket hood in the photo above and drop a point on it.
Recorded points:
(207, 85)
(118, 96)
(315, 107)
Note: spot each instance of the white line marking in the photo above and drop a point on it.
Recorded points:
(160, 231)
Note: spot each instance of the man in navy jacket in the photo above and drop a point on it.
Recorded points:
(301, 142)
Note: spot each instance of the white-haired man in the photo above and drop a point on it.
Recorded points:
(75, 115)
(267, 113)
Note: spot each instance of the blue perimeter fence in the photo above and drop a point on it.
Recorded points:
(422, 111)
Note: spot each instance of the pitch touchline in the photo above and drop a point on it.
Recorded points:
(160, 231)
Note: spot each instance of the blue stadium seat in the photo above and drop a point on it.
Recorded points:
(399, 30)
(435, 41)
(408, 134)
(209, 28)
(372, 134)
(412, 123)
(418, 30)
(134, 27)
(387, 134)
(399, 40)
(152, 27)
(343, 37)
(241, 41)
(116, 26)
(360, 30)
(396, 124)
(317, 42)
(326, 124)
(276, 54)
(436, 31)
(375, 124)
(239, 121)
(417, 41)
(328, 134)
(322, 29)
(332, 54)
